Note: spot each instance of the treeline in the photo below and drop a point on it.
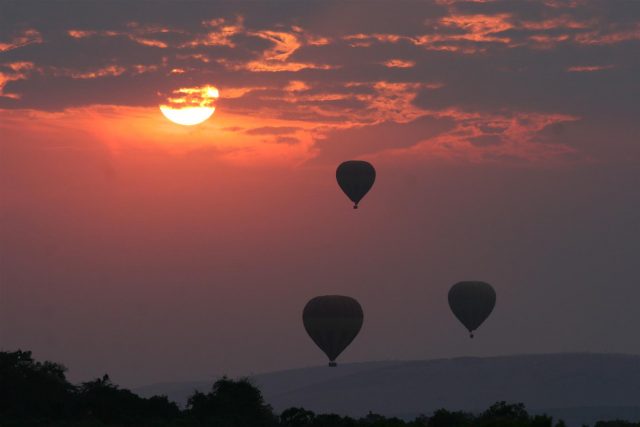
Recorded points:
(36, 393)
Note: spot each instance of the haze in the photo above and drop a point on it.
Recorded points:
(504, 134)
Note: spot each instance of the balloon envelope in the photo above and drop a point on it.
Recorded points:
(355, 177)
(332, 322)
(472, 303)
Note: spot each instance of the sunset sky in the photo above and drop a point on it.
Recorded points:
(505, 135)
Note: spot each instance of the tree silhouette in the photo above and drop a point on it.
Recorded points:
(616, 423)
(102, 400)
(333, 420)
(37, 394)
(232, 404)
(444, 418)
(505, 411)
(297, 417)
(30, 389)
(377, 420)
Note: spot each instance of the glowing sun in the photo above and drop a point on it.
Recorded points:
(190, 106)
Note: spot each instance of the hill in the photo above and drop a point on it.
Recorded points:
(580, 388)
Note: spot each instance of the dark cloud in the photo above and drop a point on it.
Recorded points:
(287, 140)
(354, 142)
(537, 81)
(271, 130)
(485, 140)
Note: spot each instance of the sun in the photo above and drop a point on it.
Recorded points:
(189, 106)
(187, 116)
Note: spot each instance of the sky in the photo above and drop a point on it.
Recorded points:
(505, 136)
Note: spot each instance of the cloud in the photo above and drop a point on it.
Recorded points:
(143, 35)
(485, 140)
(13, 71)
(22, 39)
(222, 33)
(287, 140)
(399, 63)
(589, 68)
(271, 130)
(362, 140)
(495, 59)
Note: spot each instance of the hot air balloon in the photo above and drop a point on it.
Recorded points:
(472, 303)
(332, 322)
(355, 177)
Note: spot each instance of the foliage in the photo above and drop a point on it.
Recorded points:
(616, 423)
(33, 389)
(106, 402)
(37, 394)
(232, 404)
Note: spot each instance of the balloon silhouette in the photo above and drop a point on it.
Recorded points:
(355, 177)
(332, 322)
(472, 303)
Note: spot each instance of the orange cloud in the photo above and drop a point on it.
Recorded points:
(81, 34)
(19, 71)
(565, 22)
(275, 66)
(297, 86)
(285, 44)
(399, 63)
(366, 40)
(138, 34)
(485, 28)
(612, 37)
(276, 58)
(546, 41)
(239, 92)
(265, 136)
(588, 68)
(197, 56)
(149, 42)
(479, 27)
(471, 28)
(512, 138)
(112, 70)
(317, 41)
(222, 34)
(25, 38)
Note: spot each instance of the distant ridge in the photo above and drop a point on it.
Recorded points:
(578, 387)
